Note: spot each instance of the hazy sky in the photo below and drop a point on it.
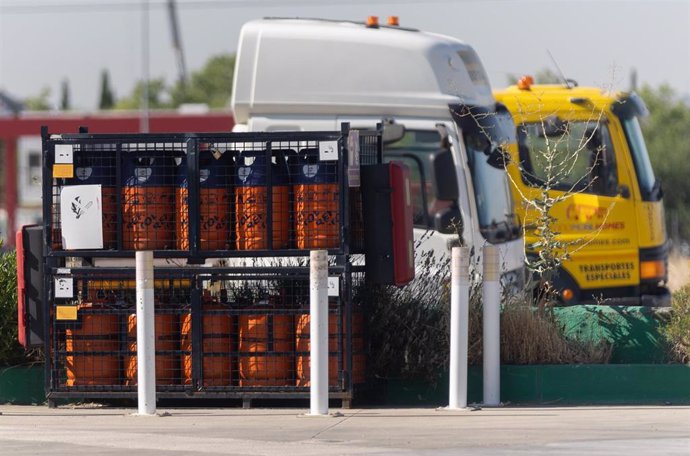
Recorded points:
(594, 42)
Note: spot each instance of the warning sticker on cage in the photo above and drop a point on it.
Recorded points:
(64, 287)
(64, 154)
(328, 150)
(81, 217)
(65, 171)
(66, 313)
(333, 286)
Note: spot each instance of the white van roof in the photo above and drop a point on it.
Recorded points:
(312, 66)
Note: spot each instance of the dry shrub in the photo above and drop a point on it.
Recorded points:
(532, 337)
(677, 329)
(408, 329)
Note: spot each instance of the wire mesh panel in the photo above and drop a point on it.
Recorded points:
(266, 314)
(370, 147)
(94, 334)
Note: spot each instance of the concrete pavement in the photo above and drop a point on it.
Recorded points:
(593, 431)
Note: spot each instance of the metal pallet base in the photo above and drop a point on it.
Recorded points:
(246, 397)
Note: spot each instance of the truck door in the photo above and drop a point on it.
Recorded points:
(437, 199)
(577, 159)
(437, 218)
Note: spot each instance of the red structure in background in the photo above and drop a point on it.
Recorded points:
(12, 128)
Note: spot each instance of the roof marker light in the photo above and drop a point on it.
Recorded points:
(373, 21)
(525, 82)
(393, 21)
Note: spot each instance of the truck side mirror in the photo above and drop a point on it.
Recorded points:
(498, 158)
(624, 191)
(447, 219)
(445, 182)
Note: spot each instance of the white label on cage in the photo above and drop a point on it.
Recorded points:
(63, 271)
(63, 287)
(333, 286)
(64, 154)
(328, 150)
(81, 217)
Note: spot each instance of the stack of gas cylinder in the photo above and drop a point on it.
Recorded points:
(264, 345)
(240, 194)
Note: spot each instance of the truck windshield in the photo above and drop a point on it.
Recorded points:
(643, 167)
(487, 134)
(628, 109)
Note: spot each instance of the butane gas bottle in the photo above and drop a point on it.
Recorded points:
(148, 197)
(317, 202)
(251, 203)
(215, 201)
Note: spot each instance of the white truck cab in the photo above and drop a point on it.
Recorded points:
(311, 74)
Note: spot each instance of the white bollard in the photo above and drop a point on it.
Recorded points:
(491, 299)
(459, 319)
(146, 340)
(318, 332)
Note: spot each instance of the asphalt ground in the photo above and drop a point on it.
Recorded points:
(591, 431)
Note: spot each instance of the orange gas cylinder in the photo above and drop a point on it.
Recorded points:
(87, 344)
(148, 202)
(317, 202)
(217, 346)
(215, 201)
(302, 332)
(167, 333)
(251, 203)
(264, 341)
(302, 344)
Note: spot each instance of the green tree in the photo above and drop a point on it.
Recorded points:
(157, 94)
(40, 102)
(547, 76)
(65, 104)
(107, 98)
(543, 76)
(10, 351)
(666, 134)
(211, 85)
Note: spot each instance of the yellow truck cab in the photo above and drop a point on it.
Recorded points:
(609, 212)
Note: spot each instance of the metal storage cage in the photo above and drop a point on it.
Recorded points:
(223, 333)
(200, 196)
(204, 201)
